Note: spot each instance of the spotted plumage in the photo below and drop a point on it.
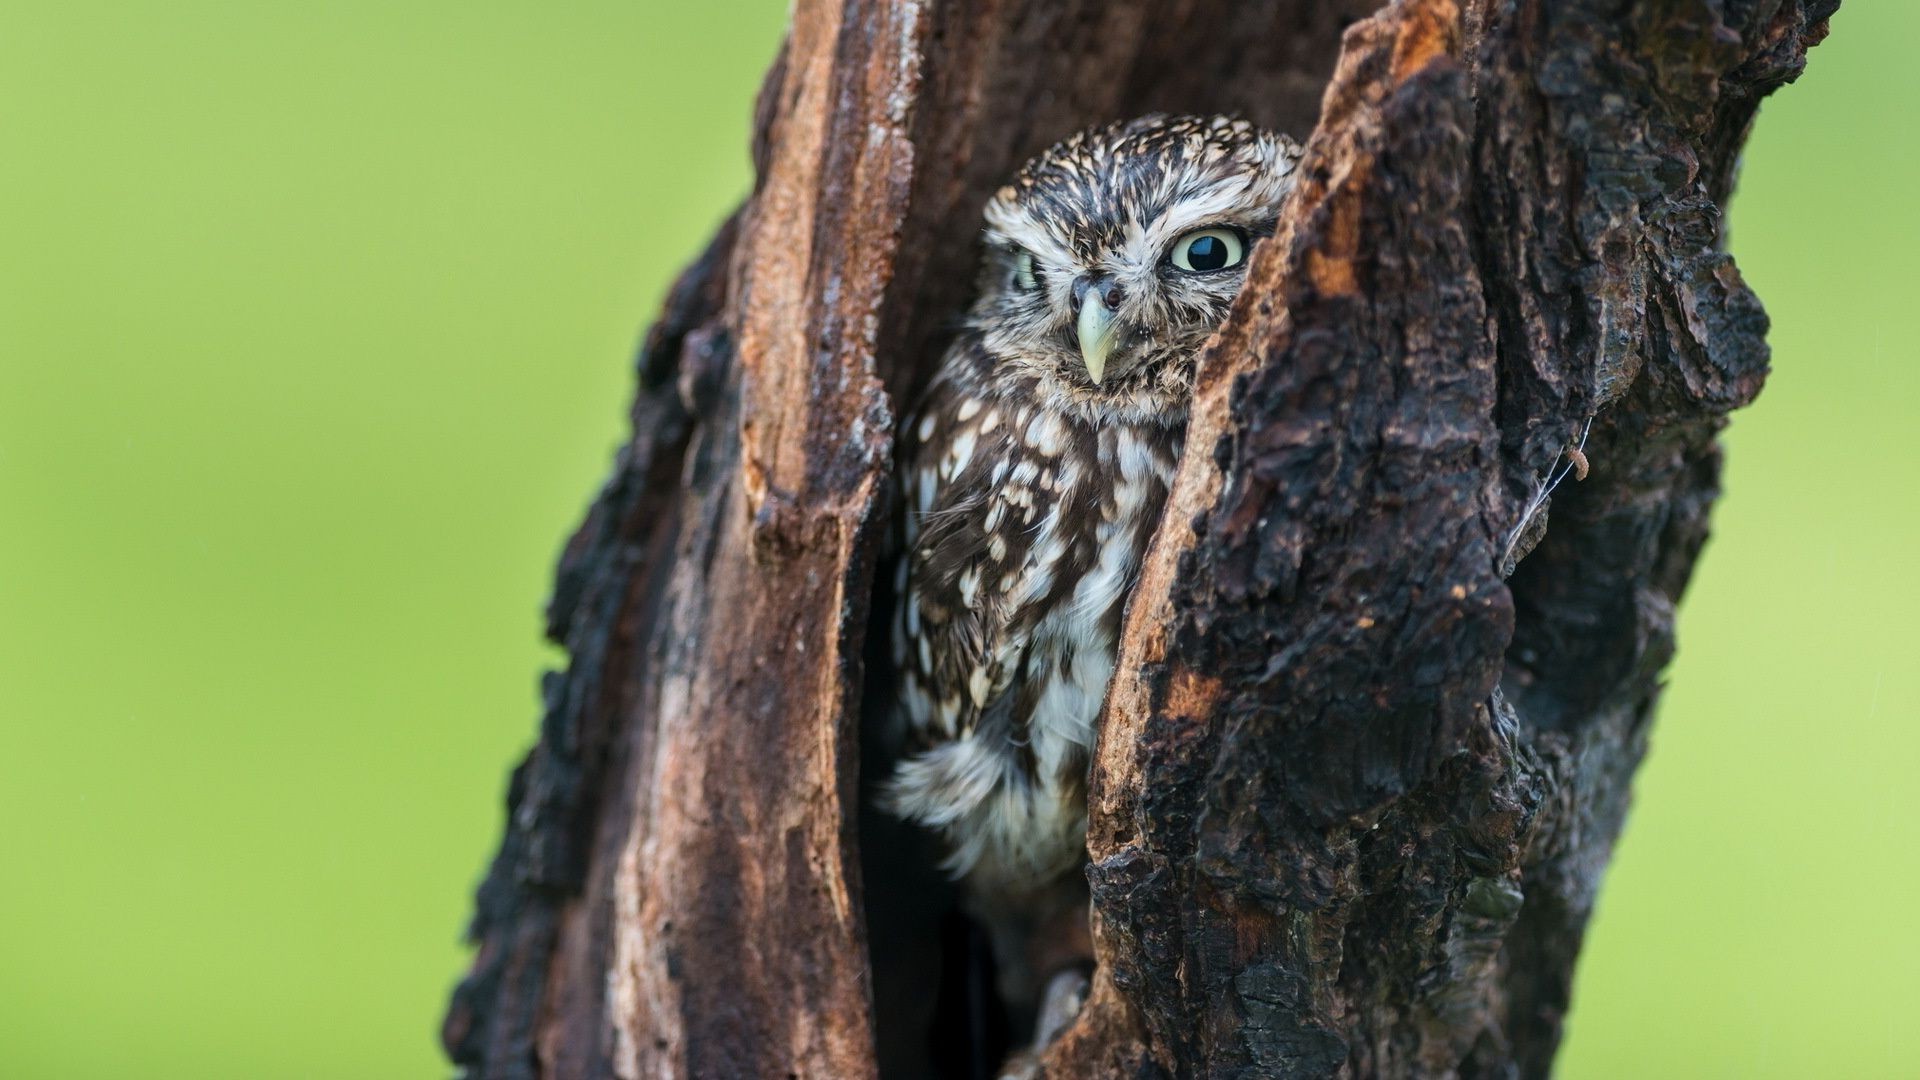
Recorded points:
(1035, 468)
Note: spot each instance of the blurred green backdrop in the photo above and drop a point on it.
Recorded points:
(314, 336)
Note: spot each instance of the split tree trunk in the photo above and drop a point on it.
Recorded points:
(1376, 720)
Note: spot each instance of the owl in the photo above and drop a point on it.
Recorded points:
(1034, 471)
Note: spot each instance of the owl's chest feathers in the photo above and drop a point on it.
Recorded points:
(1027, 524)
(1025, 521)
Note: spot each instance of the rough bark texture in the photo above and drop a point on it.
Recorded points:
(1377, 718)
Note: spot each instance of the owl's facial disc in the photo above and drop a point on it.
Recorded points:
(1113, 256)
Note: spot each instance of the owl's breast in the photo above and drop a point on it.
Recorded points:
(1025, 529)
(1108, 519)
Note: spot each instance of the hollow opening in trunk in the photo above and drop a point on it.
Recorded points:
(999, 88)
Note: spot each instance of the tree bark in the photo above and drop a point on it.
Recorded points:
(1375, 721)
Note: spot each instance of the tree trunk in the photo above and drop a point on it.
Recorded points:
(1375, 721)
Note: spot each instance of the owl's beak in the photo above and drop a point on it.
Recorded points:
(1099, 332)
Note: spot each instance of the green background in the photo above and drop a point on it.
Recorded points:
(315, 324)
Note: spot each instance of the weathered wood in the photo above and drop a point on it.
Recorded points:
(1377, 714)
(1322, 840)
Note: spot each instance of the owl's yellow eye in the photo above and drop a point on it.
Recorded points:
(1207, 250)
(1023, 272)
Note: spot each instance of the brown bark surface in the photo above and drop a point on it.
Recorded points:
(1377, 714)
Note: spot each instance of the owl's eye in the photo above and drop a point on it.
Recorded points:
(1023, 277)
(1207, 250)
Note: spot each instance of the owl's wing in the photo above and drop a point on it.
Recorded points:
(951, 635)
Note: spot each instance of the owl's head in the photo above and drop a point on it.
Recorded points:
(1115, 254)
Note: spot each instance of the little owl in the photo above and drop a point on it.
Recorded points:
(1034, 472)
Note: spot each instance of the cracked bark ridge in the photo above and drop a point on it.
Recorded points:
(1373, 738)
(1302, 748)
(1355, 791)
